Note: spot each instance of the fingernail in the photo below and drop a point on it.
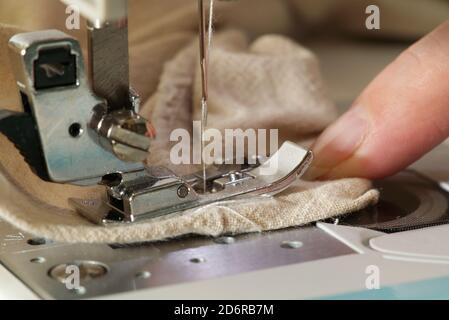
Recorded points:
(338, 142)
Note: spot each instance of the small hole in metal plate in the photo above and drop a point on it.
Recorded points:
(143, 275)
(75, 130)
(80, 291)
(88, 270)
(38, 260)
(197, 260)
(37, 241)
(291, 244)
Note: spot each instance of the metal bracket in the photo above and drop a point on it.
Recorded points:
(156, 191)
(51, 78)
(72, 123)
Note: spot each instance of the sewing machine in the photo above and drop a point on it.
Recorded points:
(399, 244)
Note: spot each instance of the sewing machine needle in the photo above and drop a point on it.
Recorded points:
(205, 42)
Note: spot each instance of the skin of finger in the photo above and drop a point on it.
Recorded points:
(408, 108)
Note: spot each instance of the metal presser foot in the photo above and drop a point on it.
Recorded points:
(156, 191)
(69, 133)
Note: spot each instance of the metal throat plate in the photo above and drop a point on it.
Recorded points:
(151, 265)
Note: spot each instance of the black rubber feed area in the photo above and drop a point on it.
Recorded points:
(408, 201)
(20, 129)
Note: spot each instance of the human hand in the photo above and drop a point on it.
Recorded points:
(399, 117)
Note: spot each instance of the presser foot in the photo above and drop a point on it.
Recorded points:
(156, 191)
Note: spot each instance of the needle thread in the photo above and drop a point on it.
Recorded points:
(205, 38)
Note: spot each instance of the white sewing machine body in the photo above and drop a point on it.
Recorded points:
(333, 259)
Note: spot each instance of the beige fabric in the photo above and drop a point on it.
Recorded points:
(272, 83)
(269, 83)
(299, 205)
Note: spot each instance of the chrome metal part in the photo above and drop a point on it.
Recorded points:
(109, 62)
(109, 269)
(51, 78)
(141, 195)
(123, 132)
(205, 40)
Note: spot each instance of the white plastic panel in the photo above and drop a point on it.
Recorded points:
(429, 243)
(11, 287)
(101, 10)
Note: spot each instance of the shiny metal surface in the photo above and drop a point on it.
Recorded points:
(123, 132)
(152, 265)
(62, 113)
(140, 195)
(109, 63)
(88, 270)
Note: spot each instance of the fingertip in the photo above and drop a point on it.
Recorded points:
(405, 113)
(339, 142)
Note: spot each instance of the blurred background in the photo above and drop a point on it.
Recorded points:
(350, 55)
